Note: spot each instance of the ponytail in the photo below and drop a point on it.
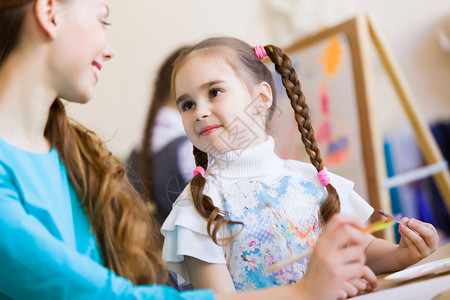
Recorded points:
(245, 62)
(124, 229)
(289, 78)
(205, 206)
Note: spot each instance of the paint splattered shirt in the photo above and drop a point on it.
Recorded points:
(277, 200)
(281, 220)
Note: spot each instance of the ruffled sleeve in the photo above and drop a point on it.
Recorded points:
(351, 203)
(185, 233)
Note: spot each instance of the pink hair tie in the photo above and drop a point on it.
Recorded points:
(199, 170)
(260, 52)
(323, 177)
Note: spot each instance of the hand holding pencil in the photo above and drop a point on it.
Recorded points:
(418, 240)
(338, 259)
(374, 227)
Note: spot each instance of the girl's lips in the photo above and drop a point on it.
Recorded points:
(209, 129)
(97, 65)
(96, 69)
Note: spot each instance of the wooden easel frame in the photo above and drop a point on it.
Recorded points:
(361, 31)
(426, 142)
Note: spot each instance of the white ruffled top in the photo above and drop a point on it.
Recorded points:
(185, 229)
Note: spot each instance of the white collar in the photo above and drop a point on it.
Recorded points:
(254, 161)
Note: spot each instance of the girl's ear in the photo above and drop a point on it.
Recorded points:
(45, 15)
(265, 99)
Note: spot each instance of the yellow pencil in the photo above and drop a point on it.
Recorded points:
(374, 227)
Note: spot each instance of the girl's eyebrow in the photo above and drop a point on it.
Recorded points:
(210, 83)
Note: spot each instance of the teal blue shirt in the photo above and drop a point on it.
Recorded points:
(47, 249)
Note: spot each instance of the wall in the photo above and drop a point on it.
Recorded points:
(144, 31)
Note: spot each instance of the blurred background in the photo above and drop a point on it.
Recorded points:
(144, 32)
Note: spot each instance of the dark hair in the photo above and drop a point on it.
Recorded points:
(12, 14)
(122, 226)
(161, 95)
(243, 60)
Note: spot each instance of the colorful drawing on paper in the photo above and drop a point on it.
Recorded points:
(326, 75)
(332, 56)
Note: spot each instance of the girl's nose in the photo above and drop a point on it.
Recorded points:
(108, 53)
(203, 111)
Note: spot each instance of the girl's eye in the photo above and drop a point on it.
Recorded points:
(105, 23)
(187, 105)
(214, 93)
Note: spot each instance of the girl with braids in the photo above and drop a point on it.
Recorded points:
(245, 208)
(162, 163)
(71, 226)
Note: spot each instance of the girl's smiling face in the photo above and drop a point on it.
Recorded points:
(219, 112)
(80, 47)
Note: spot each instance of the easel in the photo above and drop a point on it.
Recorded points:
(426, 141)
(361, 31)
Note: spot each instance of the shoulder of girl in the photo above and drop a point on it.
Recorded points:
(184, 214)
(339, 180)
(184, 197)
(299, 166)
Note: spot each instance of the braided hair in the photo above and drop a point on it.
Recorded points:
(242, 58)
(289, 78)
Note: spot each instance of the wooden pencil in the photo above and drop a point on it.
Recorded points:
(374, 227)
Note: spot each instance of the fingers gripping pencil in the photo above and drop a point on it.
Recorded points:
(397, 219)
(374, 227)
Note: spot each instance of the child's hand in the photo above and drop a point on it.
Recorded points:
(366, 283)
(419, 239)
(337, 259)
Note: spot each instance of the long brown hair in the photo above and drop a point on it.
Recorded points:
(252, 71)
(160, 97)
(125, 231)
